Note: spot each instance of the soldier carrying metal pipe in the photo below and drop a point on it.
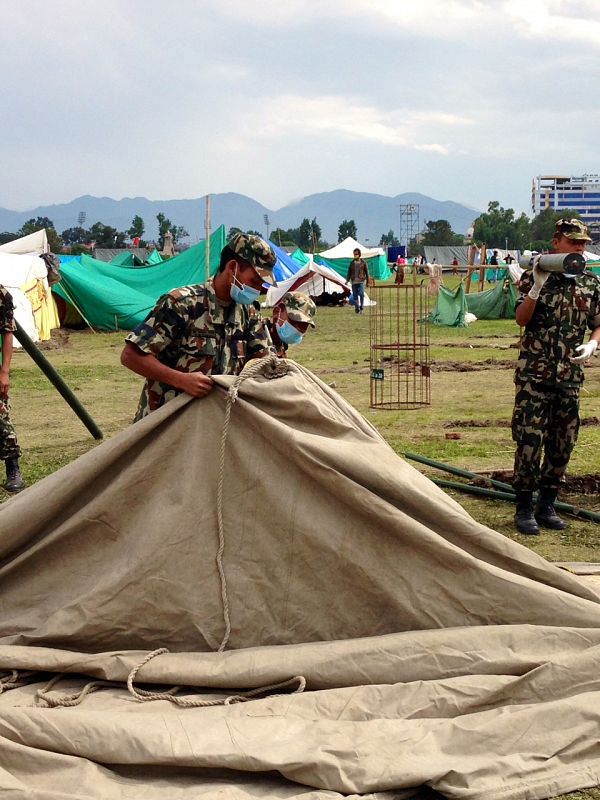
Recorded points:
(559, 301)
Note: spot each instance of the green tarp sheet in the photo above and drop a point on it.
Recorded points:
(127, 260)
(496, 303)
(378, 267)
(154, 258)
(450, 308)
(113, 297)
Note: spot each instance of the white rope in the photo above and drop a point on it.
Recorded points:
(143, 695)
(270, 367)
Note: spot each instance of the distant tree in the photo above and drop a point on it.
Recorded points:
(499, 227)
(347, 228)
(75, 235)
(37, 224)
(107, 236)
(8, 237)
(283, 238)
(389, 239)
(439, 233)
(79, 249)
(164, 225)
(137, 227)
(541, 229)
(309, 235)
(304, 237)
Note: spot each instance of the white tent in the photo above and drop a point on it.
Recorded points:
(346, 249)
(314, 280)
(25, 277)
(33, 243)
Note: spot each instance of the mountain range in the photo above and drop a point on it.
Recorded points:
(374, 214)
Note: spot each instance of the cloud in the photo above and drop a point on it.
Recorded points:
(346, 117)
(555, 20)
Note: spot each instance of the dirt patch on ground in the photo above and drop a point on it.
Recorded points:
(391, 363)
(574, 484)
(500, 423)
(472, 366)
(469, 346)
(59, 338)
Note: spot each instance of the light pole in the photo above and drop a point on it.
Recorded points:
(266, 218)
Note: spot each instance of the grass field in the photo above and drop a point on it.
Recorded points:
(338, 352)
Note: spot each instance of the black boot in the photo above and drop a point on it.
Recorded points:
(524, 518)
(545, 514)
(14, 481)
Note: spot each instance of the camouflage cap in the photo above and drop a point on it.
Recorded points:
(299, 307)
(572, 229)
(256, 252)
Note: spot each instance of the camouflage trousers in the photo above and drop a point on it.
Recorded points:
(544, 418)
(9, 447)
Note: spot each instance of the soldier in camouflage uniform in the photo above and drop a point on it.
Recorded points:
(203, 330)
(10, 452)
(292, 316)
(555, 309)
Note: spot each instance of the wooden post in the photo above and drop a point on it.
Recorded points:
(207, 238)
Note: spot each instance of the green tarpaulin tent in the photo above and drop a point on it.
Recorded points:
(113, 297)
(154, 258)
(496, 303)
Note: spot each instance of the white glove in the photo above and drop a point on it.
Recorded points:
(585, 351)
(539, 279)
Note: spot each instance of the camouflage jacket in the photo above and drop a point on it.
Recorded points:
(189, 330)
(565, 309)
(7, 319)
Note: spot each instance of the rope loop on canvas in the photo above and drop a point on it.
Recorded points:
(269, 367)
(143, 695)
(15, 679)
(73, 699)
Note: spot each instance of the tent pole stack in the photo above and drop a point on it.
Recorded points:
(399, 346)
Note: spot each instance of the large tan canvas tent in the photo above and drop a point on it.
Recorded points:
(335, 624)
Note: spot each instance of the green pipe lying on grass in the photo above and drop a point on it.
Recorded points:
(462, 473)
(507, 495)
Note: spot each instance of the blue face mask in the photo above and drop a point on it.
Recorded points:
(243, 294)
(288, 334)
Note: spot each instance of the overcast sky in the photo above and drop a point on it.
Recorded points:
(277, 99)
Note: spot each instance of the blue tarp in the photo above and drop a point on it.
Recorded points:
(286, 266)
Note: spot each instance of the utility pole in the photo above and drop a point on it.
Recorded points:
(207, 237)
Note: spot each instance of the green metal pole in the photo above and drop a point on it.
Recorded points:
(480, 490)
(508, 492)
(462, 473)
(57, 381)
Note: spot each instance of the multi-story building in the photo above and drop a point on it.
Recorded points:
(562, 192)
